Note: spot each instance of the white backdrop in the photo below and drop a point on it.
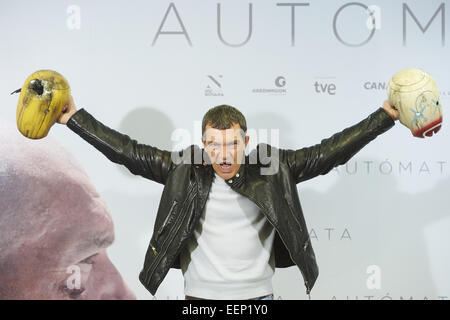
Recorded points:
(388, 208)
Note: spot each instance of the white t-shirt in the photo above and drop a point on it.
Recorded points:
(231, 253)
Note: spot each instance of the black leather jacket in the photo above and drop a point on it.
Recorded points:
(187, 185)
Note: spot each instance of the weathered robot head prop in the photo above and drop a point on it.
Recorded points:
(414, 93)
(42, 99)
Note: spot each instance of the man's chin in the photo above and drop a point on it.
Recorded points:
(224, 174)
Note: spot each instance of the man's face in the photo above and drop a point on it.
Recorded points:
(65, 257)
(55, 234)
(225, 148)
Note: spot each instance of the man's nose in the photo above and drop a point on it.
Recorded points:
(226, 152)
(113, 286)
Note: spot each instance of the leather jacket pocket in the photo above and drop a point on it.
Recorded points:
(166, 222)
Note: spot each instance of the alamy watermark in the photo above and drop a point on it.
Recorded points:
(73, 21)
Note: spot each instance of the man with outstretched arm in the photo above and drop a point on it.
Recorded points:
(227, 219)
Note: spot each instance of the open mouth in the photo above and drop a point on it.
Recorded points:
(225, 166)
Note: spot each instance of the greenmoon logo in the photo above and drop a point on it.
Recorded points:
(280, 81)
(278, 89)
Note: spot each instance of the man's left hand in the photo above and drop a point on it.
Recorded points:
(392, 111)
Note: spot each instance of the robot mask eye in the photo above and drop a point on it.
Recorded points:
(37, 86)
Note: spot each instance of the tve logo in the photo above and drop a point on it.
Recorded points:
(325, 85)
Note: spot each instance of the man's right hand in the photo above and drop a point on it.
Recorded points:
(68, 111)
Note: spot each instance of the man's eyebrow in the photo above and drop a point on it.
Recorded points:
(102, 240)
(96, 240)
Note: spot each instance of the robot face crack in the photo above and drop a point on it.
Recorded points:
(37, 86)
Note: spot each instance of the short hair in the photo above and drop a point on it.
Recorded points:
(223, 117)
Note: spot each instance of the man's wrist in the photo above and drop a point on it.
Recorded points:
(388, 113)
(71, 115)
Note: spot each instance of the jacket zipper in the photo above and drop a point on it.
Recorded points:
(177, 225)
(308, 290)
(178, 250)
(161, 254)
(156, 262)
(165, 222)
(305, 245)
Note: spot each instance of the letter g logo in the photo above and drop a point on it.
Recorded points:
(280, 81)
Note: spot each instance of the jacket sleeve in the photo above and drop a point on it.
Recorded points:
(144, 160)
(309, 162)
